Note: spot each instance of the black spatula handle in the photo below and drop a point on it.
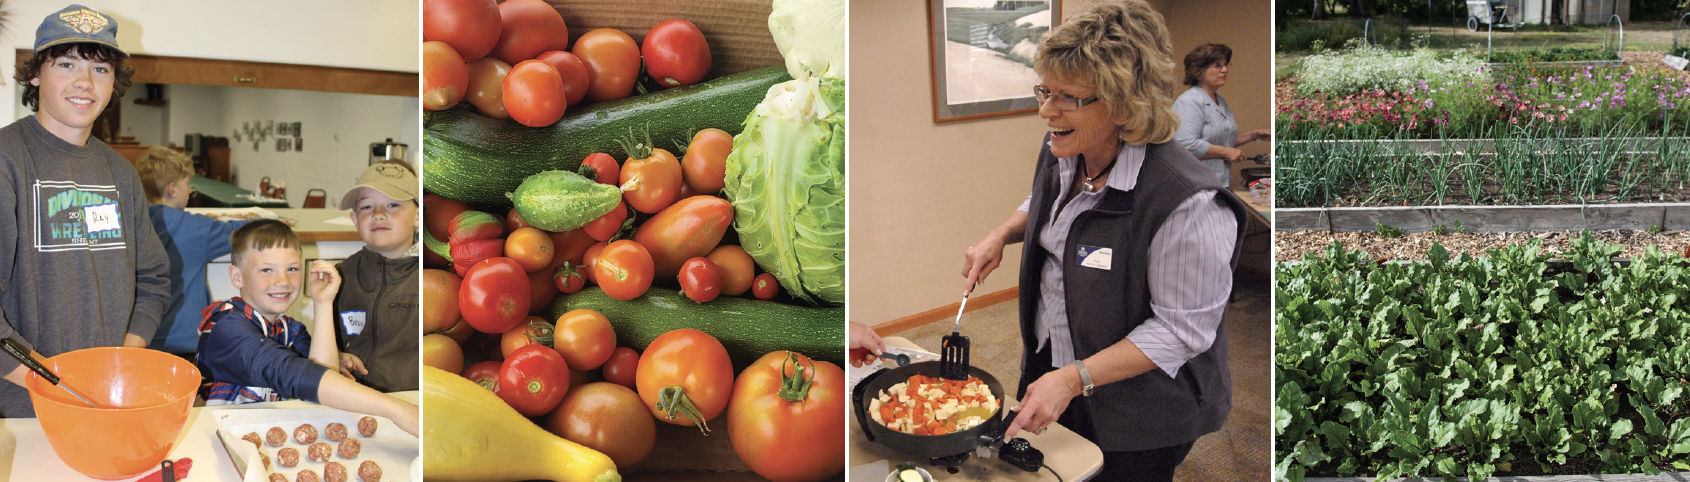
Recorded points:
(19, 352)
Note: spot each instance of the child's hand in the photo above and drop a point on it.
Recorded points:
(350, 364)
(325, 282)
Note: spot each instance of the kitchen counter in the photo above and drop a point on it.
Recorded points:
(1065, 452)
(28, 456)
(229, 195)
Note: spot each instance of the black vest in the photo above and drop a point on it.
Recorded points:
(1151, 410)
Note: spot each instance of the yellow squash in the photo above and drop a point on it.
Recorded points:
(470, 434)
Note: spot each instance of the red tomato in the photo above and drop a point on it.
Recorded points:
(514, 221)
(685, 378)
(705, 166)
(530, 247)
(541, 291)
(592, 260)
(568, 278)
(623, 269)
(584, 338)
(613, 63)
(676, 53)
(607, 418)
(789, 434)
(576, 79)
(736, 267)
(622, 366)
(438, 213)
(700, 280)
(487, 87)
(685, 230)
(485, 374)
(534, 94)
(442, 352)
(471, 27)
(529, 27)
(532, 331)
(652, 183)
(571, 246)
(765, 287)
(495, 295)
(605, 170)
(533, 380)
(459, 332)
(607, 225)
(445, 79)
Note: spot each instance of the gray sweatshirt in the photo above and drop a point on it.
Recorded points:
(79, 263)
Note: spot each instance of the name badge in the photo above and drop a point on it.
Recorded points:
(353, 321)
(1095, 257)
(101, 218)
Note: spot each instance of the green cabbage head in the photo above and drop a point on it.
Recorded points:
(786, 179)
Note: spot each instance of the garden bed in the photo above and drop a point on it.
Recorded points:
(1576, 64)
(1486, 219)
(1291, 246)
(1477, 366)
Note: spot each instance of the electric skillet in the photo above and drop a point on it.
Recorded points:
(952, 449)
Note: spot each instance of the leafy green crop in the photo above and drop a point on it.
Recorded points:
(1469, 367)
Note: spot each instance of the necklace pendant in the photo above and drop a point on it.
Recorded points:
(1090, 188)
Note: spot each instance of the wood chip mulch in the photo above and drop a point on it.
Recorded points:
(1292, 245)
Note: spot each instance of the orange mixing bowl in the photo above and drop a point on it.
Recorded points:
(146, 394)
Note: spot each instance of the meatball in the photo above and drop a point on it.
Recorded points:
(334, 472)
(287, 457)
(265, 459)
(349, 448)
(278, 478)
(335, 432)
(367, 426)
(276, 437)
(254, 438)
(306, 475)
(318, 452)
(305, 434)
(369, 471)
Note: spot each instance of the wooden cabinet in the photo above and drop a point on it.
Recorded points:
(236, 73)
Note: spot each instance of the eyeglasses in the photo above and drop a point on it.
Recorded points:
(1063, 101)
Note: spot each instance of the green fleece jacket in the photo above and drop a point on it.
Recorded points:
(377, 318)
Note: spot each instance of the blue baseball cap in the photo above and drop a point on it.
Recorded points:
(78, 24)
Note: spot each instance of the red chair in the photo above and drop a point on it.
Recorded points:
(316, 199)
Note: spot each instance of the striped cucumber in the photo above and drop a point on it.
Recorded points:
(748, 328)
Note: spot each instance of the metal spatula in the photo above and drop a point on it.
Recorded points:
(953, 354)
(22, 354)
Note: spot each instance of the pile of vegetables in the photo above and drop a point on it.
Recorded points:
(591, 278)
(1471, 367)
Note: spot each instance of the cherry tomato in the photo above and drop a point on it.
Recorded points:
(685, 378)
(737, 268)
(623, 269)
(608, 418)
(607, 225)
(442, 352)
(605, 170)
(675, 53)
(765, 286)
(622, 366)
(530, 247)
(495, 295)
(613, 63)
(685, 230)
(576, 79)
(571, 246)
(487, 87)
(795, 433)
(459, 332)
(485, 374)
(533, 331)
(592, 261)
(534, 94)
(568, 278)
(514, 221)
(445, 80)
(584, 338)
(440, 300)
(471, 27)
(533, 380)
(652, 183)
(541, 291)
(705, 166)
(700, 280)
(528, 27)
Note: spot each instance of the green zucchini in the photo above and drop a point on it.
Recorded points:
(748, 328)
(476, 159)
(559, 201)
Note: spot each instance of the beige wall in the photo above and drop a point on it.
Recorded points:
(922, 193)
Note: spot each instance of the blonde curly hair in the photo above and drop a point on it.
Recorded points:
(160, 167)
(1122, 49)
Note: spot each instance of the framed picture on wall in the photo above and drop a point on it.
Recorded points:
(982, 55)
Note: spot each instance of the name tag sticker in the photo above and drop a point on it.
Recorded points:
(353, 321)
(1095, 257)
(101, 218)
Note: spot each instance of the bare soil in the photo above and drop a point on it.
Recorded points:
(1293, 245)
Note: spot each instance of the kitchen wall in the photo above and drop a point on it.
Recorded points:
(367, 34)
(922, 193)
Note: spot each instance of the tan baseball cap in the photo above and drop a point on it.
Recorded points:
(392, 179)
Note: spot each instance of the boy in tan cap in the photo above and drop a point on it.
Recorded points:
(377, 305)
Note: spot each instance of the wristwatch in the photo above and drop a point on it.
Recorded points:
(1085, 378)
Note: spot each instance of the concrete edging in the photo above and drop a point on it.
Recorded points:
(1487, 219)
(1436, 146)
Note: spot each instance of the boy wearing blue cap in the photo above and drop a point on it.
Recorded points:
(79, 264)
